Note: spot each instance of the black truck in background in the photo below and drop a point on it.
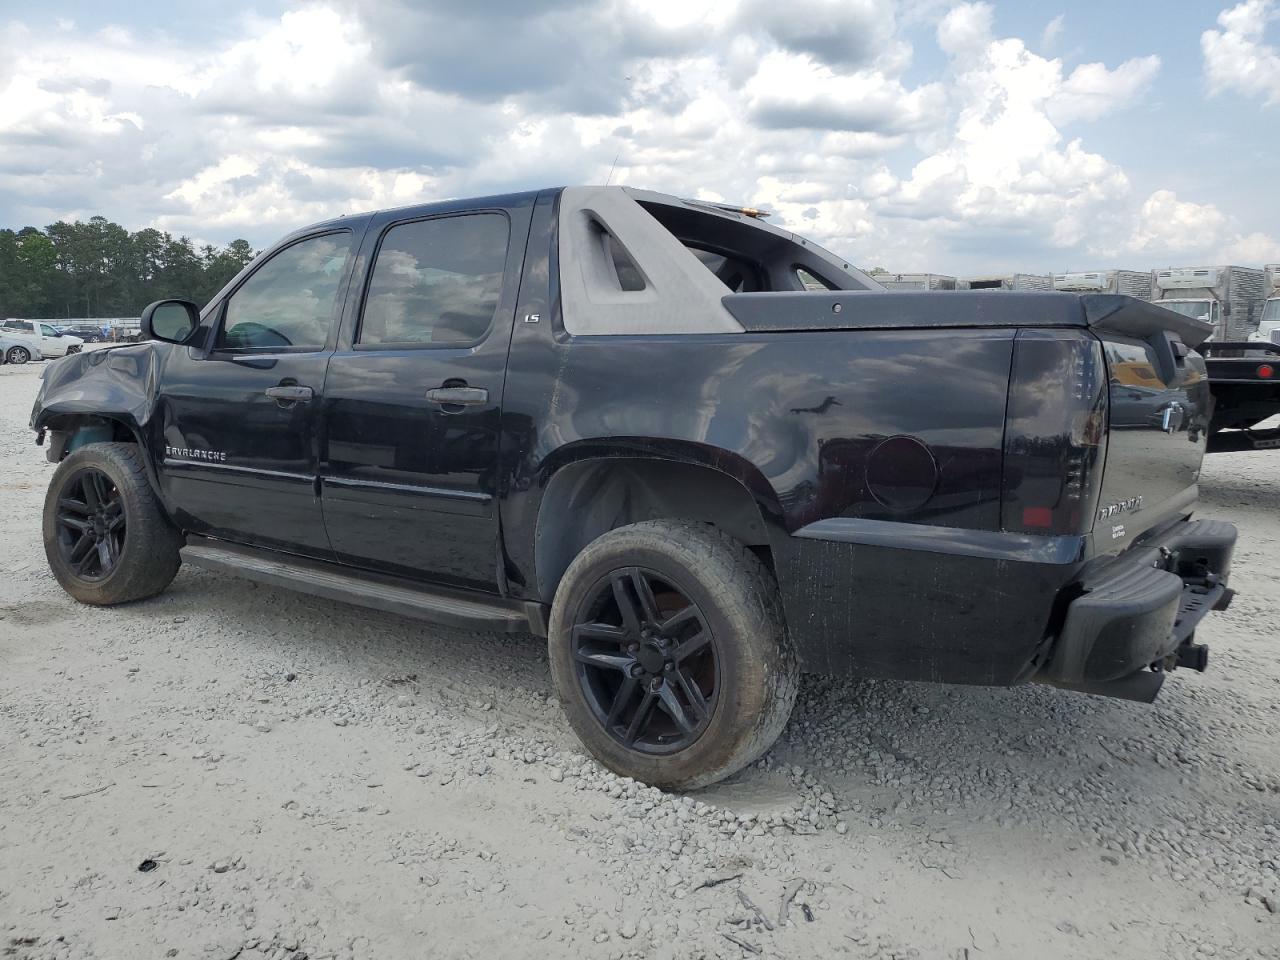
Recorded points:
(696, 452)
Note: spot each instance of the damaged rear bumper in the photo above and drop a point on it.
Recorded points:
(1136, 618)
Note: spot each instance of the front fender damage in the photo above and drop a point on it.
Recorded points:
(118, 384)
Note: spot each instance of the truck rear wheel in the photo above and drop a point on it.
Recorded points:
(18, 355)
(105, 535)
(670, 654)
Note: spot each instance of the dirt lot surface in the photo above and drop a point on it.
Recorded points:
(234, 771)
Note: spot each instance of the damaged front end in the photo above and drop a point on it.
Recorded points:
(92, 397)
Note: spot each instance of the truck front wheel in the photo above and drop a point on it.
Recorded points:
(105, 535)
(670, 653)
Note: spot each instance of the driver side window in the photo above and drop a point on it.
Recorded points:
(291, 300)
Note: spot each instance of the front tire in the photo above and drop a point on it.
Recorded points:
(670, 653)
(106, 537)
(18, 355)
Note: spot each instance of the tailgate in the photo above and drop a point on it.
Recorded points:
(1159, 416)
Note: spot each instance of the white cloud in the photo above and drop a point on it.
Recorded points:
(1169, 225)
(1254, 248)
(790, 90)
(821, 111)
(966, 28)
(1092, 91)
(1052, 32)
(1236, 57)
(845, 33)
(1170, 230)
(1006, 166)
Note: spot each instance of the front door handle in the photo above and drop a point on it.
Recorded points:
(458, 396)
(290, 394)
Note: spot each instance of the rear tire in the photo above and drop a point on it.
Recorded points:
(704, 646)
(18, 355)
(106, 536)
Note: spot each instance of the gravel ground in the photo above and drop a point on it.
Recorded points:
(234, 771)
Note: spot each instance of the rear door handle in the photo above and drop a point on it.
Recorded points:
(458, 396)
(292, 394)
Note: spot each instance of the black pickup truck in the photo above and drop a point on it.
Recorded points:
(696, 452)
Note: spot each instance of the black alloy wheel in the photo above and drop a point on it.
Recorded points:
(90, 524)
(646, 662)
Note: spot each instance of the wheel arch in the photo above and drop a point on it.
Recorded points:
(70, 431)
(594, 491)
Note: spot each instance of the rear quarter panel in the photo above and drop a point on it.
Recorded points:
(810, 423)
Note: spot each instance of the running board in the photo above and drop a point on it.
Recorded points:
(318, 578)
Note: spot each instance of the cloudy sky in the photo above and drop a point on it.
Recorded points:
(911, 134)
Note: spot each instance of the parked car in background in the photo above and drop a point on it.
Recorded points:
(46, 339)
(88, 332)
(17, 349)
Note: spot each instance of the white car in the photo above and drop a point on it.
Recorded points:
(17, 349)
(46, 339)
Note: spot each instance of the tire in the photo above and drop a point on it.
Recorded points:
(18, 355)
(142, 544)
(71, 350)
(748, 690)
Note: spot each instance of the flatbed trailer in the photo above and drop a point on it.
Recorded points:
(1244, 378)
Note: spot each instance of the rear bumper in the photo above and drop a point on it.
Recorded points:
(1136, 618)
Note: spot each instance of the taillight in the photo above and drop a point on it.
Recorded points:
(1055, 433)
(1266, 371)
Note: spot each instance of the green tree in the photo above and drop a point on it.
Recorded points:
(97, 268)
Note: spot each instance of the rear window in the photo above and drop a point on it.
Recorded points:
(737, 274)
(748, 255)
(436, 281)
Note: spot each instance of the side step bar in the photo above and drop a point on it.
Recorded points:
(453, 608)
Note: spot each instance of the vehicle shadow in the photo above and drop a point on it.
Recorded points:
(932, 747)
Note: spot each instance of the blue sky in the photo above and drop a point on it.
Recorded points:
(959, 137)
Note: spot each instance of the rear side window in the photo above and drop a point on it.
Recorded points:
(290, 301)
(436, 281)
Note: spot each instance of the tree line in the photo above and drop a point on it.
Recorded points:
(99, 269)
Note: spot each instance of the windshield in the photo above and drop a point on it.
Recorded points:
(1196, 309)
(1271, 311)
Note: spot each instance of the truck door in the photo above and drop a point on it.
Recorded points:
(239, 422)
(412, 409)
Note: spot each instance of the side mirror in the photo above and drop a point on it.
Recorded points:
(173, 321)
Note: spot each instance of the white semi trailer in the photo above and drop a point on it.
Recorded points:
(1131, 283)
(1269, 320)
(1012, 281)
(913, 281)
(1228, 297)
